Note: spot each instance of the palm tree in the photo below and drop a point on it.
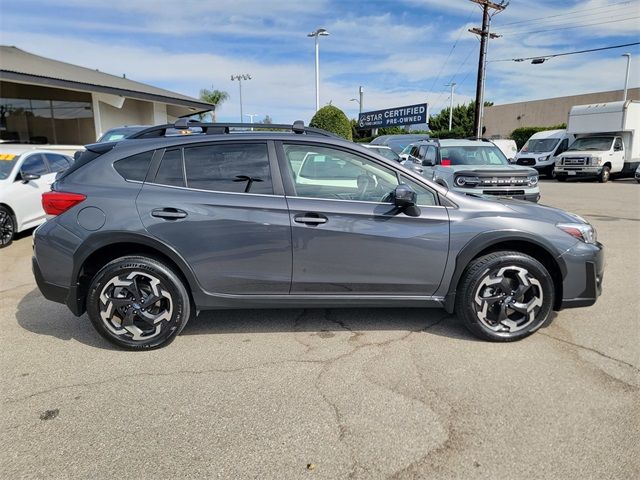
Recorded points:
(215, 97)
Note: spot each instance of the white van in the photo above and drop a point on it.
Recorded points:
(541, 149)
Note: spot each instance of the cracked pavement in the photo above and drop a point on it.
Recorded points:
(356, 393)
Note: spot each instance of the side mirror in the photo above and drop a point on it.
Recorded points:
(27, 177)
(428, 162)
(404, 196)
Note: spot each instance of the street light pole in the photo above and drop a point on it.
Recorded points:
(452, 85)
(320, 32)
(361, 92)
(239, 78)
(626, 78)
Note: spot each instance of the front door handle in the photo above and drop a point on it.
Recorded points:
(310, 219)
(168, 213)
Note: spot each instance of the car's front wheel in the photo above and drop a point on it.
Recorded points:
(138, 303)
(504, 296)
(7, 227)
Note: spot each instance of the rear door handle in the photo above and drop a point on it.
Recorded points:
(168, 213)
(310, 219)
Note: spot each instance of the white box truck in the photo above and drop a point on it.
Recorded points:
(607, 141)
(542, 148)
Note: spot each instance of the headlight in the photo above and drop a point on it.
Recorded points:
(544, 159)
(532, 180)
(596, 160)
(582, 231)
(464, 181)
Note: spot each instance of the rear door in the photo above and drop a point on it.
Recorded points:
(222, 208)
(348, 237)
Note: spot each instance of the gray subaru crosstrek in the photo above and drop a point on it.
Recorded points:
(146, 232)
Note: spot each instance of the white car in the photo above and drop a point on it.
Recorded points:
(25, 174)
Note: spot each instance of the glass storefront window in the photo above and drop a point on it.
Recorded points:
(59, 119)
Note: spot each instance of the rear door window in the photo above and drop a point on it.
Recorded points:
(237, 168)
(34, 164)
(171, 171)
(57, 162)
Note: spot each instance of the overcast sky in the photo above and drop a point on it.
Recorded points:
(401, 51)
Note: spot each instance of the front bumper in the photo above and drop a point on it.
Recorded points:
(582, 284)
(577, 171)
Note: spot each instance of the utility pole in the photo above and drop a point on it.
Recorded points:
(484, 35)
(452, 85)
(626, 78)
(239, 78)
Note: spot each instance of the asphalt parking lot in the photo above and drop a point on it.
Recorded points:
(332, 393)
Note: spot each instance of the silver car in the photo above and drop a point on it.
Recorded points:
(475, 167)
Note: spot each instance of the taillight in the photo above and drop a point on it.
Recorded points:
(55, 203)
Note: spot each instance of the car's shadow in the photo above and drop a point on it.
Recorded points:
(39, 316)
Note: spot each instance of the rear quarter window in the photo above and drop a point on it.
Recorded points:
(135, 167)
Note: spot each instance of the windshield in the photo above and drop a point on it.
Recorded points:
(119, 133)
(7, 161)
(540, 145)
(386, 153)
(601, 144)
(472, 155)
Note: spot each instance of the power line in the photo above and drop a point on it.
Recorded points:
(451, 51)
(560, 27)
(552, 55)
(531, 20)
(574, 19)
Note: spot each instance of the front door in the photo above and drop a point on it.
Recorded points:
(216, 206)
(348, 238)
(28, 195)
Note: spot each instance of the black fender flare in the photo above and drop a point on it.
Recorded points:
(485, 240)
(75, 299)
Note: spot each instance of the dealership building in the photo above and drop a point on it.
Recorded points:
(47, 101)
(501, 120)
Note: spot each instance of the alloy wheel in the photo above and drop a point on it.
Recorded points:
(6, 227)
(135, 305)
(508, 299)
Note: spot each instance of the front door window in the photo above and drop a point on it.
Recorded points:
(322, 172)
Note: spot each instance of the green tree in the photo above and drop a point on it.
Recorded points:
(267, 120)
(215, 97)
(332, 119)
(462, 121)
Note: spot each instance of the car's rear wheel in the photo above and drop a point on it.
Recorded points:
(505, 296)
(138, 303)
(7, 227)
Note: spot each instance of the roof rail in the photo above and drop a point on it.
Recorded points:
(224, 128)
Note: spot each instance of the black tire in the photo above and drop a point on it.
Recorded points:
(7, 227)
(605, 174)
(147, 296)
(490, 309)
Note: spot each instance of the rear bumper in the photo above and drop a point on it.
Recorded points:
(56, 293)
(583, 282)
